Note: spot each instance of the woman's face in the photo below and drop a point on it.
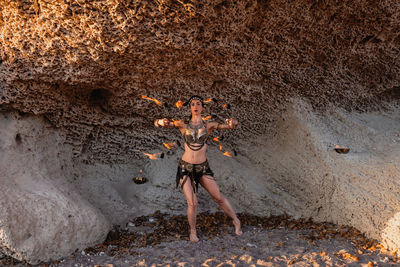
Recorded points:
(196, 107)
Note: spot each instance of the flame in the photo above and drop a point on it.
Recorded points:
(226, 153)
(169, 145)
(153, 156)
(179, 104)
(152, 99)
(216, 139)
(207, 118)
(220, 147)
(208, 100)
(224, 106)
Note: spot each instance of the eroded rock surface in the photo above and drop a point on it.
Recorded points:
(84, 65)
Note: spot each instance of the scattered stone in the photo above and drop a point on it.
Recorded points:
(251, 245)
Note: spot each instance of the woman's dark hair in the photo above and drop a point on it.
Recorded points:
(194, 97)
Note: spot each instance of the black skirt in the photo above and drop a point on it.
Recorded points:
(192, 171)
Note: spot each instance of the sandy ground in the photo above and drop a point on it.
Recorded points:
(161, 240)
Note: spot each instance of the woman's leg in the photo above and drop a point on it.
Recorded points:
(191, 209)
(212, 188)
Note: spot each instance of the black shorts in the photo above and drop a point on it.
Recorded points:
(193, 171)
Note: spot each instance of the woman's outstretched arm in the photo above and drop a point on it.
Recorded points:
(165, 123)
(230, 124)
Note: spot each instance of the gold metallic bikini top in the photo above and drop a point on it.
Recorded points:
(195, 136)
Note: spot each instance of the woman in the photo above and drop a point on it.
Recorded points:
(193, 167)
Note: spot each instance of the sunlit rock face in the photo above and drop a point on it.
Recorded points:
(85, 64)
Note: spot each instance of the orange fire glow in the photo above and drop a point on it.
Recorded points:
(207, 118)
(226, 153)
(216, 139)
(208, 100)
(220, 147)
(152, 99)
(153, 156)
(179, 104)
(169, 145)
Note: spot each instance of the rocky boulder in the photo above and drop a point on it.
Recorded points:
(41, 215)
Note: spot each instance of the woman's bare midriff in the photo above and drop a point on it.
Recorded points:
(194, 157)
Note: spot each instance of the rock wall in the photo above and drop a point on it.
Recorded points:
(84, 65)
(311, 179)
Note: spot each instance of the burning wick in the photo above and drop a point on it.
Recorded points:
(170, 145)
(155, 156)
(159, 123)
(139, 179)
(226, 153)
(179, 104)
(152, 99)
(226, 106)
(208, 118)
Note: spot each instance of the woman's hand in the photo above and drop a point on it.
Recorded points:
(233, 123)
(162, 123)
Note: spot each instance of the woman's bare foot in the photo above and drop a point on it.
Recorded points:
(238, 230)
(193, 237)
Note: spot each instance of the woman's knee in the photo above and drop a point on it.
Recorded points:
(192, 204)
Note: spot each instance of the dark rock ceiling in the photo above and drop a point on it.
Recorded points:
(84, 65)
